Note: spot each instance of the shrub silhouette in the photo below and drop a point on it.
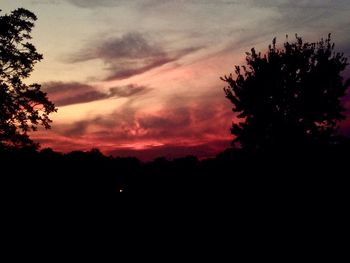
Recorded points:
(288, 97)
(22, 107)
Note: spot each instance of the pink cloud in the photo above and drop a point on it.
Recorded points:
(193, 129)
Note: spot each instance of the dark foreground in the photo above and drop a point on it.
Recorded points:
(48, 174)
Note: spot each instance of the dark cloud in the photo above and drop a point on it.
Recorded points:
(129, 90)
(63, 94)
(166, 121)
(129, 55)
(68, 93)
(119, 123)
(79, 128)
(126, 72)
(121, 72)
(129, 46)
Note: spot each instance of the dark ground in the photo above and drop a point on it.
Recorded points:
(81, 175)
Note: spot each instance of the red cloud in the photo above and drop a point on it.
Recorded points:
(200, 129)
(194, 129)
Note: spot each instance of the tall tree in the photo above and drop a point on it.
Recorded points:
(22, 107)
(289, 96)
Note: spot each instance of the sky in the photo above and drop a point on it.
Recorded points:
(142, 77)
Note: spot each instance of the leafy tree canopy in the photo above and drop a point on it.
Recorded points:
(22, 107)
(290, 96)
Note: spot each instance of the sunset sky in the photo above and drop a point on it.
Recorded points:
(142, 77)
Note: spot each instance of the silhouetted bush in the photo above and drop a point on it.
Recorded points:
(289, 97)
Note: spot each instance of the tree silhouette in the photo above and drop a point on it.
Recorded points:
(22, 107)
(288, 97)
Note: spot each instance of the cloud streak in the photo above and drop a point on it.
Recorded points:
(69, 93)
(129, 55)
(129, 46)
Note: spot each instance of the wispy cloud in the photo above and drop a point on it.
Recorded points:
(68, 93)
(129, 46)
(129, 90)
(129, 55)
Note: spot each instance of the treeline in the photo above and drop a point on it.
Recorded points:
(92, 174)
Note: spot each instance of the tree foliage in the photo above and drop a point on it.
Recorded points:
(289, 96)
(22, 107)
